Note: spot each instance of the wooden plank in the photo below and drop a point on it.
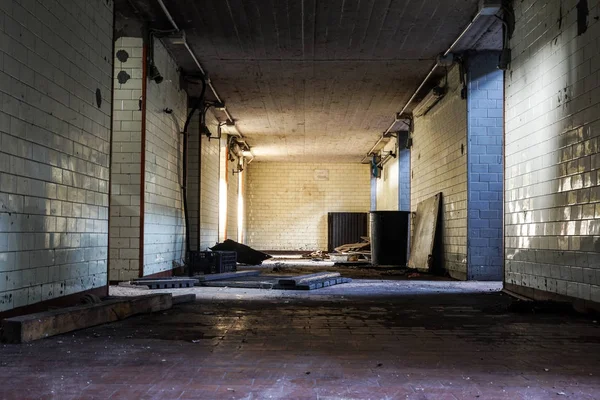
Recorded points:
(226, 275)
(421, 250)
(27, 328)
(353, 247)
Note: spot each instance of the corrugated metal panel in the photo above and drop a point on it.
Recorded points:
(345, 228)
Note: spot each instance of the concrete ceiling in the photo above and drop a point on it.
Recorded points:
(313, 80)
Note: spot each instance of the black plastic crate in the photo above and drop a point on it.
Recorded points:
(212, 262)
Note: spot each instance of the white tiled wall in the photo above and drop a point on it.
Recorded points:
(387, 185)
(288, 202)
(439, 164)
(164, 227)
(54, 148)
(552, 198)
(126, 164)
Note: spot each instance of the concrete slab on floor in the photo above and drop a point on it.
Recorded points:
(371, 340)
(165, 283)
(227, 275)
(317, 281)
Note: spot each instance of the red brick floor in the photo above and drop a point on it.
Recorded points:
(418, 344)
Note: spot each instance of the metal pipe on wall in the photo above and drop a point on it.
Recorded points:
(416, 92)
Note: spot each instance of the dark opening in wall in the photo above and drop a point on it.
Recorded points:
(583, 13)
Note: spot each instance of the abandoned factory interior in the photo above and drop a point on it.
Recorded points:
(299, 199)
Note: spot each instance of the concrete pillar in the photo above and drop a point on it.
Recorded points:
(485, 113)
(404, 172)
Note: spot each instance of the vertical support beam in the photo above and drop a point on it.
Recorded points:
(485, 110)
(403, 172)
(404, 180)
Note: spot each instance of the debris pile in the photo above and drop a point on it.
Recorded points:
(245, 254)
(319, 254)
(362, 247)
(353, 252)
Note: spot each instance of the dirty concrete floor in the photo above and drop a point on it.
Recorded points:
(365, 340)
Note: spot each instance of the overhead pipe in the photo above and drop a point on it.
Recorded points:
(384, 135)
(415, 94)
(202, 71)
(196, 61)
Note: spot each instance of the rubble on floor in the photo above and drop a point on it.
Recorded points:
(345, 254)
(353, 252)
(362, 247)
(316, 255)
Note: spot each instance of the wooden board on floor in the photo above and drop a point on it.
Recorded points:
(421, 249)
(27, 328)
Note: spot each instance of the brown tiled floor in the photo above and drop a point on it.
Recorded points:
(382, 340)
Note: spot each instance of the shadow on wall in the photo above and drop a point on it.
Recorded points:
(52, 240)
